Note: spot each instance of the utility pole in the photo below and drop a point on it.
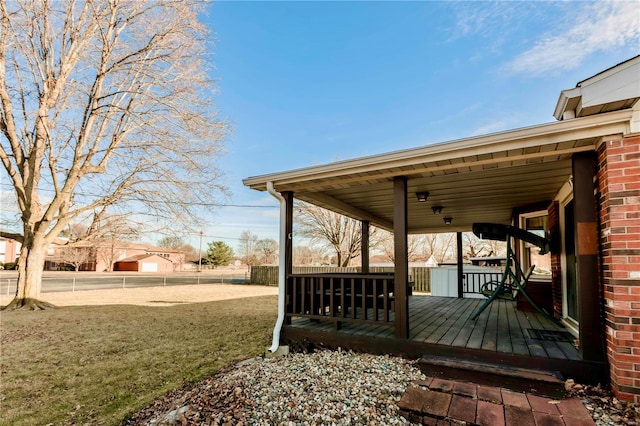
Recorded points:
(200, 253)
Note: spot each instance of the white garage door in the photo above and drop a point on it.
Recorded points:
(149, 267)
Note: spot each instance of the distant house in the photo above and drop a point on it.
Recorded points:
(144, 263)
(101, 256)
(9, 250)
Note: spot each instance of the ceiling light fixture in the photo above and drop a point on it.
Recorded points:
(436, 209)
(422, 196)
(448, 220)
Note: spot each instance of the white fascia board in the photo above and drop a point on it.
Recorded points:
(606, 74)
(550, 133)
(567, 97)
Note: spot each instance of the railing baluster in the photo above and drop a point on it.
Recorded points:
(374, 283)
(343, 304)
(363, 300)
(385, 300)
(321, 298)
(294, 295)
(303, 299)
(332, 311)
(353, 299)
(312, 296)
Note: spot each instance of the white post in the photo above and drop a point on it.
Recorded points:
(123, 280)
(164, 282)
(200, 257)
(73, 288)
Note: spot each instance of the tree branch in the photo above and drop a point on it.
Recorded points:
(13, 236)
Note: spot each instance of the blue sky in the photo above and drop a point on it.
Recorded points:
(307, 83)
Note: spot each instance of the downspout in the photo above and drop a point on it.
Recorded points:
(281, 268)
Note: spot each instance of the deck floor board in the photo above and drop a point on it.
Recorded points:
(518, 342)
(533, 345)
(446, 321)
(504, 337)
(490, 335)
(460, 326)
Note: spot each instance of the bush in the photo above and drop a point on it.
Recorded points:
(11, 266)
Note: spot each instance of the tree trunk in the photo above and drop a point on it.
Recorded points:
(30, 268)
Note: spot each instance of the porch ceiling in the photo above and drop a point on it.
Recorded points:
(474, 180)
(466, 192)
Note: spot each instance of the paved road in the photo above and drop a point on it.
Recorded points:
(55, 282)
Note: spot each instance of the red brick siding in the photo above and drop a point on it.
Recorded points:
(619, 190)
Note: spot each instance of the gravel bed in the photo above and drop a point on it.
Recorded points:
(606, 409)
(325, 387)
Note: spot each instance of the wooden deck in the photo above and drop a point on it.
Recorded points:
(441, 326)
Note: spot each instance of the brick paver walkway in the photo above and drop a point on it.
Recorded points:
(446, 402)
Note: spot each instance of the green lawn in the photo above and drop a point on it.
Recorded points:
(97, 364)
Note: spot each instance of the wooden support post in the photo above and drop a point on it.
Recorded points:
(591, 328)
(364, 247)
(401, 256)
(460, 266)
(288, 259)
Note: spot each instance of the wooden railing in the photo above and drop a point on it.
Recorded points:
(473, 281)
(268, 275)
(341, 297)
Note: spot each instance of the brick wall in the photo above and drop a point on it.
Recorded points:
(619, 188)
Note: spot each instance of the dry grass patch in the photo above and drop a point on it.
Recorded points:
(98, 364)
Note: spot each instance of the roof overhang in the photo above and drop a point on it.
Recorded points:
(475, 179)
(610, 90)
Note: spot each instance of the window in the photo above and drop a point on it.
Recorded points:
(536, 223)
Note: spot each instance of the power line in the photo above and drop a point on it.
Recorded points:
(201, 204)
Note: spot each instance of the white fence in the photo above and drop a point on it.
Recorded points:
(444, 280)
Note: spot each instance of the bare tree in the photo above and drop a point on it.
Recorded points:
(305, 255)
(475, 247)
(341, 233)
(178, 243)
(268, 248)
(76, 256)
(75, 232)
(108, 238)
(248, 248)
(106, 109)
(172, 242)
(415, 244)
(440, 246)
(190, 253)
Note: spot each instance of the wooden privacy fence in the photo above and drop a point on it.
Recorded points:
(268, 275)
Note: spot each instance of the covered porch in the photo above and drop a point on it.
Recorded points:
(498, 178)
